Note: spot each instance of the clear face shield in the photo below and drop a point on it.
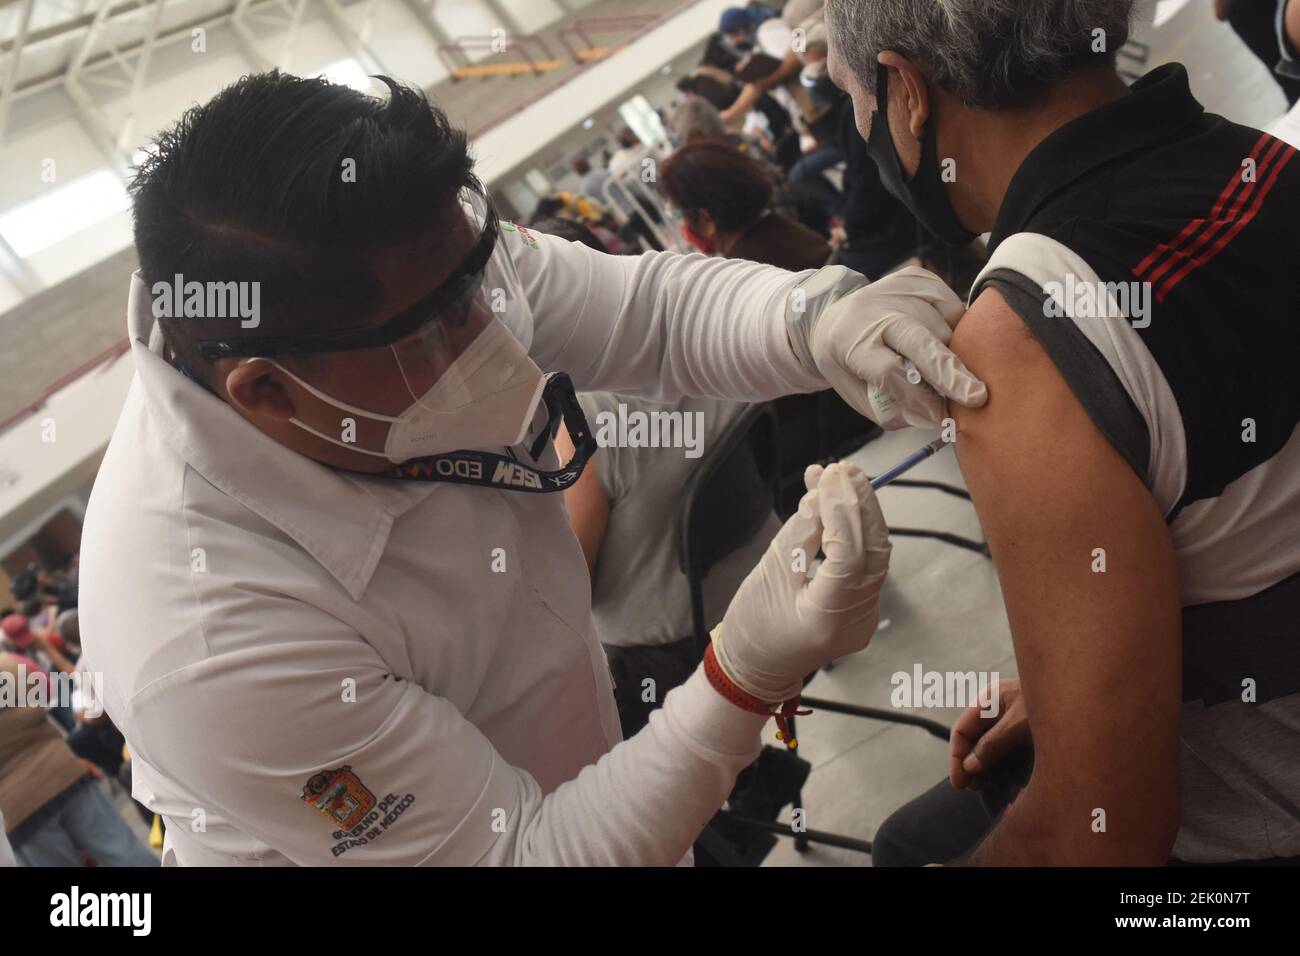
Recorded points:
(474, 344)
(457, 359)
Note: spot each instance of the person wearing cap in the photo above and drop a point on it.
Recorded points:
(339, 612)
(739, 24)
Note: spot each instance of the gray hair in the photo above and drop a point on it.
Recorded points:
(995, 54)
(695, 114)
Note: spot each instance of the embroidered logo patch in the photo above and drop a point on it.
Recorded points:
(340, 796)
(527, 236)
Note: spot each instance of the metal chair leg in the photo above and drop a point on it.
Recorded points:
(932, 727)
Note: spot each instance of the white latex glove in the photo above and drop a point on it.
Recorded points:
(782, 626)
(860, 341)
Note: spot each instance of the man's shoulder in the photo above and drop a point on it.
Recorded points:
(1221, 192)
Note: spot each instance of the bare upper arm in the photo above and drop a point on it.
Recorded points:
(1099, 652)
(587, 503)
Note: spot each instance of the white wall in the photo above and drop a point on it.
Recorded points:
(83, 415)
(403, 46)
(532, 15)
(62, 141)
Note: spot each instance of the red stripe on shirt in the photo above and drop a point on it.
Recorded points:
(1235, 181)
(1217, 224)
(1241, 224)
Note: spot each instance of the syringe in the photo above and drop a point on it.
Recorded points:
(907, 464)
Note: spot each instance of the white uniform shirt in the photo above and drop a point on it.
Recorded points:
(314, 667)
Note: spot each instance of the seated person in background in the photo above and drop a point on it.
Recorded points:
(39, 650)
(54, 812)
(624, 512)
(694, 120)
(879, 233)
(591, 179)
(569, 229)
(714, 81)
(60, 587)
(630, 152)
(730, 190)
(721, 198)
(1137, 467)
(626, 205)
(822, 201)
(774, 59)
(562, 205)
(67, 626)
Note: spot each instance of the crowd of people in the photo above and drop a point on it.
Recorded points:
(56, 806)
(763, 161)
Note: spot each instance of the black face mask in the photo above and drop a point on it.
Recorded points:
(925, 194)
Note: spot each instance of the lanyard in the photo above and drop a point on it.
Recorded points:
(507, 472)
(493, 470)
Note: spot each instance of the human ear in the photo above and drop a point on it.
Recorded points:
(909, 92)
(257, 387)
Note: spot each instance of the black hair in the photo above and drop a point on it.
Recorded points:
(718, 54)
(547, 207)
(23, 585)
(569, 229)
(292, 183)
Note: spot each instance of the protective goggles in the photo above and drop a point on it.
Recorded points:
(461, 344)
(452, 299)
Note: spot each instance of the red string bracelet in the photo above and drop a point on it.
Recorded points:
(748, 702)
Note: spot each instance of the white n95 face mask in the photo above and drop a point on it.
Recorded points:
(486, 398)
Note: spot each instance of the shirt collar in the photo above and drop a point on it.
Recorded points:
(342, 521)
(1156, 107)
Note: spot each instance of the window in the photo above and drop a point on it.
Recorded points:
(62, 212)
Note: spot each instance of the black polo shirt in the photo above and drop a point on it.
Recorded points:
(1151, 247)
